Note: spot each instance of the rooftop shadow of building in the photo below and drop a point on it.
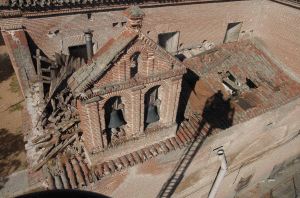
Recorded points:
(6, 69)
(11, 145)
(217, 113)
(187, 87)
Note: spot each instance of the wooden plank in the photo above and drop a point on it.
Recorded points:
(38, 64)
(53, 152)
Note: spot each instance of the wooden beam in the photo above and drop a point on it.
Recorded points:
(46, 78)
(44, 59)
(38, 65)
(53, 152)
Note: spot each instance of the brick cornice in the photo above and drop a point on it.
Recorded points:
(12, 27)
(55, 8)
(11, 24)
(130, 84)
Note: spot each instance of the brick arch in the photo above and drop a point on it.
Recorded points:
(123, 94)
(163, 84)
(163, 94)
(163, 87)
(136, 48)
(126, 100)
(109, 98)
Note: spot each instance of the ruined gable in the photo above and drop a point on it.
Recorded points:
(139, 61)
(129, 90)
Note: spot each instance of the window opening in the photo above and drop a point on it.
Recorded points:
(232, 32)
(169, 41)
(250, 84)
(78, 51)
(135, 60)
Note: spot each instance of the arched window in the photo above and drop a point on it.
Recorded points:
(135, 60)
(114, 119)
(152, 105)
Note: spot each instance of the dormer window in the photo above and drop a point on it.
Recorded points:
(134, 64)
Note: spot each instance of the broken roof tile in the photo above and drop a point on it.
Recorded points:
(244, 61)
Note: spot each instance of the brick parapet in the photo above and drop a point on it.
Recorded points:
(19, 53)
(84, 125)
(90, 125)
(136, 112)
(95, 125)
(134, 144)
(177, 85)
(59, 8)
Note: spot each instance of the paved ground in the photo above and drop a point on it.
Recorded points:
(284, 182)
(15, 184)
(12, 152)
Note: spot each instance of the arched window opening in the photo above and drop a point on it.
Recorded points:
(135, 60)
(152, 107)
(114, 119)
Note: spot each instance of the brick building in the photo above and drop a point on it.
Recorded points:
(109, 86)
(134, 87)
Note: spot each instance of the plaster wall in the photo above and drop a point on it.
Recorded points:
(278, 28)
(251, 148)
(273, 23)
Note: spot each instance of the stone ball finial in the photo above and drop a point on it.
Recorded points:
(135, 17)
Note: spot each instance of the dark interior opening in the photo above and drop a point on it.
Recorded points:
(250, 84)
(89, 15)
(1, 39)
(151, 114)
(114, 117)
(135, 60)
(230, 76)
(78, 51)
(181, 57)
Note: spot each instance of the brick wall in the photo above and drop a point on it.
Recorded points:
(151, 63)
(195, 22)
(93, 120)
(199, 22)
(91, 127)
(18, 50)
(71, 28)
